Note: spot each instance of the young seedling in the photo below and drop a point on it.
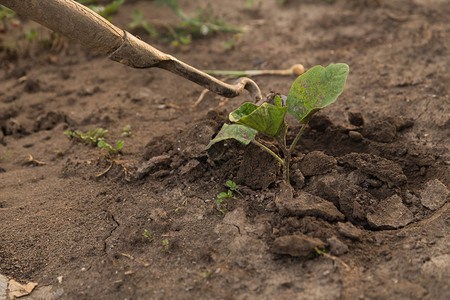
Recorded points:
(126, 131)
(311, 91)
(139, 22)
(4, 156)
(165, 244)
(95, 138)
(233, 187)
(92, 137)
(110, 149)
(7, 17)
(204, 23)
(148, 236)
(218, 205)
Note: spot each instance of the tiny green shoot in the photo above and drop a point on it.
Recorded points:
(126, 131)
(207, 274)
(95, 137)
(91, 137)
(139, 22)
(204, 23)
(233, 187)
(110, 149)
(148, 235)
(165, 244)
(31, 34)
(219, 205)
(5, 156)
(311, 91)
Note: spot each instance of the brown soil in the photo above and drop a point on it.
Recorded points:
(370, 175)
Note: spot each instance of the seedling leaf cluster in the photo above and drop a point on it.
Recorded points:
(232, 187)
(311, 91)
(203, 23)
(95, 137)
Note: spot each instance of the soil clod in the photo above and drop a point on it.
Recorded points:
(434, 195)
(306, 204)
(390, 213)
(152, 165)
(384, 169)
(336, 246)
(317, 163)
(350, 231)
(258, 169)
(298, 245)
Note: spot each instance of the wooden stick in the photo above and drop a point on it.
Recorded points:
(296, 69)
(80, 23)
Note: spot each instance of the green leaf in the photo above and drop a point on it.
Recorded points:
(232, 185)
(278, 101)
(110, 9)
(316, 89)
(221, 196)
(101, 144)
(137, 15)
(240, 133)
(119, 145)
(267, 118)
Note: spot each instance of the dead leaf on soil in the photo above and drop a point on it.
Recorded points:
(16, 290)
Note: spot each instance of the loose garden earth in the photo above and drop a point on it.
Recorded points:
(370, 214)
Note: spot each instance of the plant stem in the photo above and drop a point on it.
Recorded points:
(297, 138)
(270, 152)
(281, 140)
(287, 159)
(288, 152)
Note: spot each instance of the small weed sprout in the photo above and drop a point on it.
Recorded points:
(92, 137)
(5, 156)
(139, 22)
(110, 149)
(165, 244)
(232, 187)
(204, 23)
(218, 206)
(126, 131)
(31, 34)
(311, 91)
(148, 236)
(207, 274)
(95, 138)
(7, 18)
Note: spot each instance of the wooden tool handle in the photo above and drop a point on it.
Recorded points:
(93, 31)
(71, 19)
